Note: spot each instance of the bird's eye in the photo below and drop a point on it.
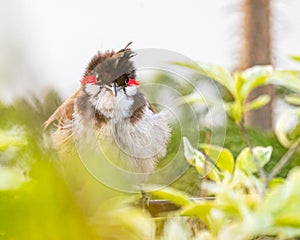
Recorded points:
(126, 81)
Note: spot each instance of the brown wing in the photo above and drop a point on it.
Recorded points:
(64, 111)
(139, 105)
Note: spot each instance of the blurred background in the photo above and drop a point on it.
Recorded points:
(48, 43)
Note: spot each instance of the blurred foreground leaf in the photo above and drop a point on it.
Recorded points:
(42, 209)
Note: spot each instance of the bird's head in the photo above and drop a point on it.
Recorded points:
(110, 70)
(109, 82)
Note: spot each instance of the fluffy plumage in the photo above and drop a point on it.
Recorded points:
(120, 114)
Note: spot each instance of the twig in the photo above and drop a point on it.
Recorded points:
(284, 160)
(204, 179)
(248, 144)
(261, 171)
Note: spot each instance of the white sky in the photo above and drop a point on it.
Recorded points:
(54, 39)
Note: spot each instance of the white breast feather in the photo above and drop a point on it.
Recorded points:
(141, 143)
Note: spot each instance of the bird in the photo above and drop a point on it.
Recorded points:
(109, 101)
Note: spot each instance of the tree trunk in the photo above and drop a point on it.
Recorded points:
(256, 50)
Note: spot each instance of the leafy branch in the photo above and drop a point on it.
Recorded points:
(239, 85)
(284, 160)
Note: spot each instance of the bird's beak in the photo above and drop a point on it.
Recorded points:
(115, 88)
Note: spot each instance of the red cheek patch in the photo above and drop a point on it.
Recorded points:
(133, 82)
(89, 79)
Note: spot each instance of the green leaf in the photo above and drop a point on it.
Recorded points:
(222, 157)
(177, 197)
(234, 110)
(281, 131)
(295, 58)
(200, 210)
(214, 72)
(287, 127)
(293, 99)
(283, 201)
(246, 162)
(198, 160)
(254, 77)
(239, 82)
(275, 182)
(257, 103)
(286, 78)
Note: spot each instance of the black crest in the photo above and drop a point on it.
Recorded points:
(112, 66)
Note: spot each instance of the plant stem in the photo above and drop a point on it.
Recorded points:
(204, 179)
(246, 139)
(284, 160)
(203, 195)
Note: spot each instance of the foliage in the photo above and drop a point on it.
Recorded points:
(246, 205)
(239, 86)
(239, 211)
